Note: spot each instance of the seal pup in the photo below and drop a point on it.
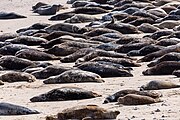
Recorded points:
(15, 63)
(85, 112)
(35, 55)
(17, 77)
(172, 56)
(27, 40)
(11, 109)
(10, 15)
(133, 99)
(157, 85)
(163, 68)
(151, 56)
(104, 70)
(48, 71)
(122, 93)
(74, 76)
(65, 93)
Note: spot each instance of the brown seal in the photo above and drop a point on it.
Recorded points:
(133, 99)
(85, 112)
(156, 85)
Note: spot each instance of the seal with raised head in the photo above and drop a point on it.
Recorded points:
(65, 93)
(11, 109)
(157, 84)
(17, 77)
(133, 99)
(122, 93)
(74, 76)
(10, 15)
(35, 55)
(104, 70)
(51, 70)
(163, 68)
(85, 112)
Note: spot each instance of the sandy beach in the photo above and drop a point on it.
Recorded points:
(20, 92)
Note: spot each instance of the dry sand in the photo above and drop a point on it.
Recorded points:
(20, 93)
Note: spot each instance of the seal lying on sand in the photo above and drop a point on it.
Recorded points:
(73, 76)
(5, 36)
(17, 77)
(85, 112)
(15, 63)
(65, 93)
(122, 93)
(35, 55)
(156, 85)
(104, 70)
(10, 15)
(132, 99)
(62, 16)
(51, 70)
(11, 109)
(163, 68)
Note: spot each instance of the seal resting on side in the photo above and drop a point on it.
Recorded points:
(65, 93)
(11, 109)
(156, 85)
(17, 77)
(85, 112)
(132, 99)
(73, 76)
(122, 93)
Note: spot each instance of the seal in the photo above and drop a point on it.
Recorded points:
(11, 49)
(5, 36)
(65, 93)
(173, 56)
(157, 85)
(35, 55)
(122, 93)
(85, 112)
(148, 28)
(78, 54)
(89, 10)
(132, 99)
(145, 50)
(74, 76)
(151, 56)
(161, 33)
(103, 38)
(11, 109)
(123, 61)
(129, 47)
(176, 73)
(27, 40)
(62, 16)
(37, 5)
(48, 9)
(15, 63)
(48, 71)
(11, 15)
(17, 77)
(163, 68)
(80, 18)
(62, 27)
(104, 70)
(168, 42)
(170, 24)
